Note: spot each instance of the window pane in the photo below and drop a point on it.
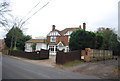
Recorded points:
(52, 39)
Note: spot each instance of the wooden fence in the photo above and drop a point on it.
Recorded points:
(63, 57)
(100, 54)
(43, 54)
(116, 53)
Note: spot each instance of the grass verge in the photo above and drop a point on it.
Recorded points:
(74, 63)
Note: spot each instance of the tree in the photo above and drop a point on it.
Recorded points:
(15, 39)
(33, 46)
(110, 39)
(13, 36)
(108, 35)
(21, 42)
(99, 41)
(81, 39)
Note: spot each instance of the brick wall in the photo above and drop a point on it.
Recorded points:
(2, 44)
(86, 56)
(64, 39)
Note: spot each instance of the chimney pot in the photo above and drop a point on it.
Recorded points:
(80, 26)
(84, 26)
(53, 27)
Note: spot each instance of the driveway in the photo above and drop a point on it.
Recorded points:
(107, 70)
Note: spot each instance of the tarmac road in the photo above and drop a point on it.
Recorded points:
(13, 68)
(0, 66)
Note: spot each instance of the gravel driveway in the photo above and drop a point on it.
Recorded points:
(102, 69)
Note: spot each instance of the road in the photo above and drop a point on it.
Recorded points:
(0, 66)
(19, 69)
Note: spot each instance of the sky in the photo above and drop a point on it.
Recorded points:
(64, 14)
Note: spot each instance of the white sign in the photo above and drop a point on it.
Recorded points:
(82, 57)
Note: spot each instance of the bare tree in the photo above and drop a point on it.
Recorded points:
(4, 12)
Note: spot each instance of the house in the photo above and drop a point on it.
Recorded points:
(59, 40)
(2, 44)
(56, 40)
(40, 44)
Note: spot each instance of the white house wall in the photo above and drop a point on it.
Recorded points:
(66, 48)
(28, 47)
(40, 46)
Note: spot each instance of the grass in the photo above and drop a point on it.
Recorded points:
(118, 68)
(102, 58)
(5, 51)
(73, 63)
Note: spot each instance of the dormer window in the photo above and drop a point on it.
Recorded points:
(53, 39)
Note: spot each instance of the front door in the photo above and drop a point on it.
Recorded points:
(52, 49)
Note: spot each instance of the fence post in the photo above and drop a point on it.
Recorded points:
(104, 56)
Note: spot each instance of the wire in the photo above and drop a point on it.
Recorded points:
(37, 11)
(34, 13)
(32, 9)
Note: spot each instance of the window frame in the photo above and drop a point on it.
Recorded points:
(53, 39)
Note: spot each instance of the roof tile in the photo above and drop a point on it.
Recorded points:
(36, 41)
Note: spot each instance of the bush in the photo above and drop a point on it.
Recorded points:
(81, 39)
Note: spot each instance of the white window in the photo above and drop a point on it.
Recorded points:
(53, 39)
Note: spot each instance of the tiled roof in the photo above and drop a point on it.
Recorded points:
(36, 41)
(67, 29)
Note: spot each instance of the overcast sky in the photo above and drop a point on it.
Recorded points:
(64, 14)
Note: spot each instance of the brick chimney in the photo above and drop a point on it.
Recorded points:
(84, 26)
(80, 26)
(53, 27)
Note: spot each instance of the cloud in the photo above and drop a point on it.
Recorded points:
(67, 13)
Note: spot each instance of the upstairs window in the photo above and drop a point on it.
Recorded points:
(53, 39)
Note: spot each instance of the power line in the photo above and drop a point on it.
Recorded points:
(37, 11)
(34, 13)
(32, 9)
